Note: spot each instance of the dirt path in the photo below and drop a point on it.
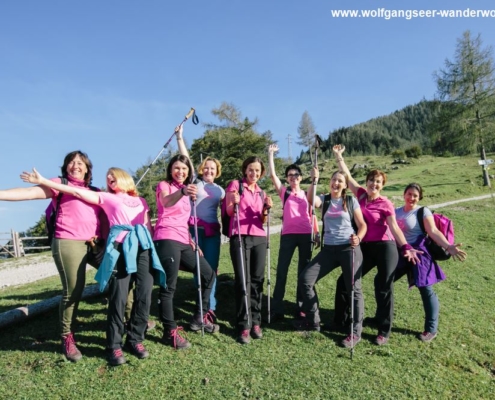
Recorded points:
(32, 268)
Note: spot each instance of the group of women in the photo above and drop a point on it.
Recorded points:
(360, 232)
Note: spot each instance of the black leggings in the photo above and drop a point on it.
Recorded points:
(384, 256)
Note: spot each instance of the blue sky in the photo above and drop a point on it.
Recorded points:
(113, 78)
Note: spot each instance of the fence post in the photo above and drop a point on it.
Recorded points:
(20, 246)
(14, 244)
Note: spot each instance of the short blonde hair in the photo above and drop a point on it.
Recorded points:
(217, 163)
(124, 181)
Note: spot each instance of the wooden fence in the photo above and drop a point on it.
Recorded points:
(15, 247)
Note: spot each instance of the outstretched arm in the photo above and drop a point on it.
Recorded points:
(407, 250)
(86, 195)
(29, 193)
(180, 141)
(273, 174)
(338, 150)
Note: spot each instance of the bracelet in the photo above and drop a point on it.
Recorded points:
(405, 248)
(359, 239)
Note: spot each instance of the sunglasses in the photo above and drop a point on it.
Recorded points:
(293, 175)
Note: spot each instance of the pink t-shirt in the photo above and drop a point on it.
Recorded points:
(296, 218)
(122, 209)
(375, 215)
(76, 219)
(172, 221)
(250, 210)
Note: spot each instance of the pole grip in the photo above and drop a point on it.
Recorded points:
(189, 114)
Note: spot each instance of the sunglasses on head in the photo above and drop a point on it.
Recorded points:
(296, 175)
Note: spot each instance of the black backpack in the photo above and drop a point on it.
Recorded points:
(350, 210)
(223, 210)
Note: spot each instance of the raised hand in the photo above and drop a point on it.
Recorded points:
(338, 149)
(32, 177)
(273, 148)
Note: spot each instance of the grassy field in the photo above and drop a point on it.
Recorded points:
(459, 363)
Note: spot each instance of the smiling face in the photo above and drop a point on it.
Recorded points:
(374, 184)
(412, 196)
(294, 178)
(179, 171)
(209, 171)
(112, 182)
(253, 172)
(77, 168)
(338, 183)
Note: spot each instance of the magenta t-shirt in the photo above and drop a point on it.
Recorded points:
(76, 219)
(375, 215)
(250, 210)
(296, 218)
(122, 209)
(172, 223)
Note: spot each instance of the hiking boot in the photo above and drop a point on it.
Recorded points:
(305, 325)
(137, 349)
(243, 337)
(150, 325)
(207, 324)
(300, 315)
(350, 341)
(116, 357)
(256, 332)
(427, 336)
(173, 337)
(70, 349)
(381, 340)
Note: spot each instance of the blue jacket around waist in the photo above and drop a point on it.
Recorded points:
(138, 235)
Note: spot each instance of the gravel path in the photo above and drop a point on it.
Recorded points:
(32, 268)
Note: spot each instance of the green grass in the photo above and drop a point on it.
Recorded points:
(459, 363)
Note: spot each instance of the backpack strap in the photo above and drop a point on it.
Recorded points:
(420, 216)
(286, 196)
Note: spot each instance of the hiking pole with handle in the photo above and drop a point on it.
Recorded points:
(268, 283)
(241, 255)
(198, 269)
(195, 121)
(313, 213)
(352, 303)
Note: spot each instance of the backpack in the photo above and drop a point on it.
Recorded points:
(223, 210)
(444, 225)
(52, 211)
(350, 210)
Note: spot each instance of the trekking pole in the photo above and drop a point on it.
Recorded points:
(195, 121)
(198, 269)
(352, 304)
(241, 255)
(313, 213)
(268, 283)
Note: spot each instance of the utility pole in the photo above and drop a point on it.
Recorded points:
(289, 141)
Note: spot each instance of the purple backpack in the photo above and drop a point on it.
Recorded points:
(444, 225)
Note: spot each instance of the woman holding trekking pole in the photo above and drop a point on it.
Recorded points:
(379, 245)
(248, 246)
(129, 257)
(176, 248)
(208, 199)
(344, 228)
(426, 272)
(75, 222)
(296, 231)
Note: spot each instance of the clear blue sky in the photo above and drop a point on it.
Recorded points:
(113, 78)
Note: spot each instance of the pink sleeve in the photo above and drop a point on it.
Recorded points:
(234, 185)
(389, 208)
(55, 192)
(283, 189)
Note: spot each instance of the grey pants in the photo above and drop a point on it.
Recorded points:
(326, 261)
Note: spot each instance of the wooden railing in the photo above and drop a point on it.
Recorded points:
(14, 246)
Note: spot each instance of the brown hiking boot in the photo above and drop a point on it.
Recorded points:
(69, 348)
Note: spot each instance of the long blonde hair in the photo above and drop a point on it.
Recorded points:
(124, 181)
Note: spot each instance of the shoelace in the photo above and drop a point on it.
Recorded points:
(70, 344)
(139, 347)
(245, 333)
(208, 319)
(175, 333)
(117, 353)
